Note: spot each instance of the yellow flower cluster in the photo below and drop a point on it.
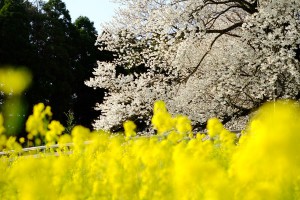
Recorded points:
(129, 128)
(38, 127)
(163, 121)
(263, 164)
(55, 130)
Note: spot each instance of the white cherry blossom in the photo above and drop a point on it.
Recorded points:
(204, 58)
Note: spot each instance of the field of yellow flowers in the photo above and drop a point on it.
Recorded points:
(263, 163)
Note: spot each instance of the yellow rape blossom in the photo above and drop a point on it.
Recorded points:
(129, 128)
(12, 144)
(64, 139)
(162, 121)
(14, 81)
(37, 122)
(55, 129)
(2, 129)
(22, 140)
(159, 106)
(3, 140)
(214, 127)
(183, 124)
(79, 135)
(263, 164)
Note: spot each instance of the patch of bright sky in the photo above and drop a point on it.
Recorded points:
(98, 11)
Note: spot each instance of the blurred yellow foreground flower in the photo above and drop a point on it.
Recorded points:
(14, 81)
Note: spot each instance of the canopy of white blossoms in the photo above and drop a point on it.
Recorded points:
(204, 58)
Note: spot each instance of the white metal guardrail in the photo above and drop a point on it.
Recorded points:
(39, 149)
(43, 149)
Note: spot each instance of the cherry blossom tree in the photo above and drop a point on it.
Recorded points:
(204, 58)
(267, 66)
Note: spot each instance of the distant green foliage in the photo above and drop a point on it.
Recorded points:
(70, 121)
(60, 54)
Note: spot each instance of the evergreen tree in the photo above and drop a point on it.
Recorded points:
(87, 53)
(60, 54)
(15, 45)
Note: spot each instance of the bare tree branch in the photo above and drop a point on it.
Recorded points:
(220, 33)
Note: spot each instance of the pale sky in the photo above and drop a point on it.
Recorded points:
(98, 11)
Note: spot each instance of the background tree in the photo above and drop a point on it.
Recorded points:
(52, 74)
(204, 58)
(267, 65)
(59, 53)
(87, 53)
(15, 49)
(14, 32)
